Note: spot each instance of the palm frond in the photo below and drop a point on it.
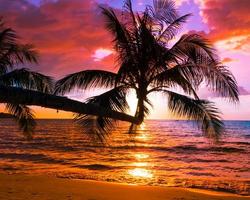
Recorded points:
(7, 36)
(98, 128)
(164, 11)
(217, 77)
(12, 52)
(25, 53)
(27, 79)
(127, 73)
(85, 79)
(24, 117)
(191, 47)
(172, 29)
(122, 37)
(202, 111)
(171, 78)
(128, 7)
(222, 81)
(114, 99)
(15, 54)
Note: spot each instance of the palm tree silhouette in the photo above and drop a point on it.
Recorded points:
(20, 88)
(13, 54)
(149, 62)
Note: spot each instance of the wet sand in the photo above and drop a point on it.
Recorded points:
(27, 187)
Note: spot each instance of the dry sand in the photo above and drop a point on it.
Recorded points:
(26, 187)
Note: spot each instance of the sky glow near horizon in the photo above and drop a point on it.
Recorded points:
(70, 37)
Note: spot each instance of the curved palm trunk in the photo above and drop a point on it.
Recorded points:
(140, 111)
(30, 97)
(139, 114)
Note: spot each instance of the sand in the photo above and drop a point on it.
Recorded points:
(26, 187)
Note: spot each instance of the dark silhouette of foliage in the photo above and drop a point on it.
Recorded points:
(148, 62)
(14, 54)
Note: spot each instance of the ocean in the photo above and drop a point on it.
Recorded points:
(164, 153)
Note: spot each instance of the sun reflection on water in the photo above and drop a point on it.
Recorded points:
(140, 164)
(142, 133)
(142, 126)
(140, 170)
(143, 137)
(140, 156)
(141, 173)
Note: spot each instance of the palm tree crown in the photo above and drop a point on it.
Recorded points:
(149, 63)
(13, 54)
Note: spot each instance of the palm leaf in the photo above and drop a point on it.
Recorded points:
(27, 79)
(122, 37)
(171, 78)
(114, 99)
(164, 11)
(128, 7)
(217, 77)
(85, 79)
(16, 53)
(25, 53)
(172, 29)
(98, 128)
(222, 81)
(202, 111)
(7, 36)
(191, 47)
(24, 117)
(11, 51)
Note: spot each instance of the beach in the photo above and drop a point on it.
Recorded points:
(24, 187)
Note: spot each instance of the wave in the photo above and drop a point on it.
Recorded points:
(187, 148)
(96, 167)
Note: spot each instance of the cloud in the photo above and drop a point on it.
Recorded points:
(229, 21)
(243, 91)
(205, 93)
(66, 33)
(227, 60)
(101, 54)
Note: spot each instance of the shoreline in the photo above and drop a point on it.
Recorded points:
(19, 186)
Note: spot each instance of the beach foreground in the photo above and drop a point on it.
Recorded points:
(45, 187)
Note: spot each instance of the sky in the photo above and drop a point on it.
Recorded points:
(70, 36)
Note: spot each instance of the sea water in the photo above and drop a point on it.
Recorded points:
(165, 153)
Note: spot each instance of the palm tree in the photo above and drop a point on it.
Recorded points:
(149, 62)
(13, 54)
(21, 87)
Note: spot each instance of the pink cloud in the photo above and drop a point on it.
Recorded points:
(206, 93)
(227, 19)
(66, 33)
(227, 60)
(101, 54)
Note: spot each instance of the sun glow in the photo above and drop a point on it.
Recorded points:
(142, 134)
(141, 156)
(142, 137)
(140, 170)
(140, 164)
(141, 173)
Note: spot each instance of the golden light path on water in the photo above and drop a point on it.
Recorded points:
(141, 158)
(141, 173)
